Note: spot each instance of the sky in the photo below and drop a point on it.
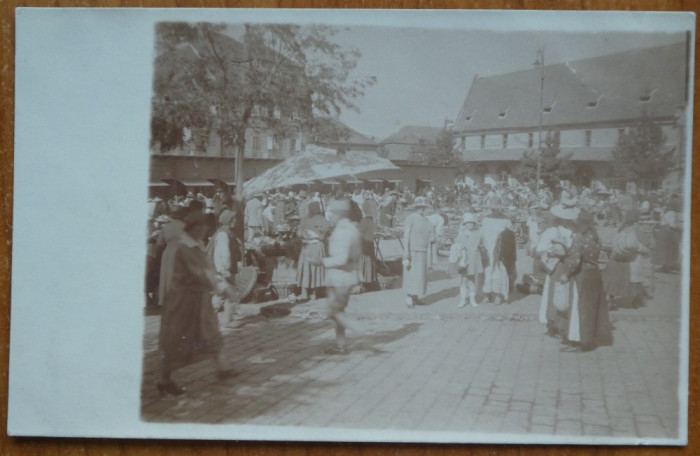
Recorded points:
(423, 75)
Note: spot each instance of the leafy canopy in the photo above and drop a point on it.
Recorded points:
(640, 153)
(277, 77)
(555, 165)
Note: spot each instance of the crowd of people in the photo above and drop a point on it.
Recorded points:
(196, 245)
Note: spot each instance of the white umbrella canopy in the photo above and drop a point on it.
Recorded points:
(314, 163)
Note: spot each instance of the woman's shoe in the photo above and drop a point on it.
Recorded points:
(226, 373)
(170, 387)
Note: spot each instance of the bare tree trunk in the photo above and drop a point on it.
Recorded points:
(240, 149)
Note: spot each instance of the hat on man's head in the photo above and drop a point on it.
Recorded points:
(419, 203)
(469, 218)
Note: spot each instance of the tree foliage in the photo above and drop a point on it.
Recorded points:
(555, 165)
(439, 152)
(640, 153)
(275, 77)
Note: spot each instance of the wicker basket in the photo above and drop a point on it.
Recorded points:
(386, 281)
(284, 289)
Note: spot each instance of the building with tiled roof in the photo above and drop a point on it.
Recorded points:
(405, 144)
(345, 138)
(587, 103)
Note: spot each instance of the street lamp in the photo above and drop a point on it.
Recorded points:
(539, 62)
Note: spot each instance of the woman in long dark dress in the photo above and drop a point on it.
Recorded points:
(666, 251)
(188, 323)
(368, 227)
(312, 232)
(582, 266)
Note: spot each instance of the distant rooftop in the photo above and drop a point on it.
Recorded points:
(413, 135)
(599, 89)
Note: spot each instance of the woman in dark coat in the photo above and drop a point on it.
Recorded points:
(188, 324)
(368, 227)
(582, 266)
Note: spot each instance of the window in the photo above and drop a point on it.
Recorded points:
(483, 141)
(620, 133)
(530, 139)
(270, 143)
(292, 145)
(647, 96)
(588, 134)
(505, 140)
(256, 145)
(463, 142)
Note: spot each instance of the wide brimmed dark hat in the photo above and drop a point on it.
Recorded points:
(419, 203)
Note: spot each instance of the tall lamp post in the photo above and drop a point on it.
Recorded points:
(539, 62)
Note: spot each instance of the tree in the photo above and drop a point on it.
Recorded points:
(278, 77)
(438, 152)
(442, 151)
(555, 165)
(639, 153)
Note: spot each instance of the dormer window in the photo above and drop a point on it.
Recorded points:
(548, 109)
(503, 113)
(592, 104)
(647, 96)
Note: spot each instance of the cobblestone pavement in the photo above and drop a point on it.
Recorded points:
(436, 367)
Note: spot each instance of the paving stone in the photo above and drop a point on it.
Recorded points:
(568, 427)
(478, 372)
(596, 430)
(542, 429)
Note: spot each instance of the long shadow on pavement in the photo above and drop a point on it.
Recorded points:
(448, 293)
(281, 363)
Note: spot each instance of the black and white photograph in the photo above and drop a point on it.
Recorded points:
(405, 227)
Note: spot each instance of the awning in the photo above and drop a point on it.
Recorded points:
(394, 181)
(352, 181)
(376, 181)
(158, 184)
(196, 183)
(330, 182)
(228, 181)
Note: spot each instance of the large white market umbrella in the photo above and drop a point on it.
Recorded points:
(315, 163)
